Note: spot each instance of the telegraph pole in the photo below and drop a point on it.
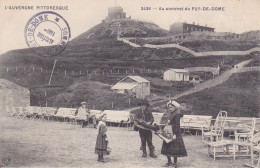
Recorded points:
(52, 71)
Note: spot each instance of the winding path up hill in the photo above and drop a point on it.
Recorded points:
(197, 54)
(208, 84)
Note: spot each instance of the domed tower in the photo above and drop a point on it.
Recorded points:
(116, 13)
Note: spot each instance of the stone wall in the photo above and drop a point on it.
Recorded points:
(12, 95)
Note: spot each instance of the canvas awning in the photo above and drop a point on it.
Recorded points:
(120, 86)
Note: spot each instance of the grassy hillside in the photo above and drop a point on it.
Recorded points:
(210, 45)
(254, 62)
(95, 52)
(239, 96)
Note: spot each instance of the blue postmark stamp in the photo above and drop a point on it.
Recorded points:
(47, 33)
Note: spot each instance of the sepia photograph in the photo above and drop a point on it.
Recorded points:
(130, 83)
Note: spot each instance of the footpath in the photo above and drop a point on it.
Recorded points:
(207, 84)
(196, 54)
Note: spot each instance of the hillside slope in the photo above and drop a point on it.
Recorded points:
(239, 96)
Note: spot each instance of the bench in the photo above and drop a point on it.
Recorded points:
(118, 117)
(234, 121)
(33, 111)
(66, 114)
(48, 112)
(189, 122)
(195, 122)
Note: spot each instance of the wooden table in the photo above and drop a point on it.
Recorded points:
(234, 129)
(232, 126)
(232, 123)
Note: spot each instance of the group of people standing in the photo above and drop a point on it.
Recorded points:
(144, 120)
(171, 117)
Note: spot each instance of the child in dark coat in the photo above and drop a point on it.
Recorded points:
(102, 141)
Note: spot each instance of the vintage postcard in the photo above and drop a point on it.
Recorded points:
(130, 83)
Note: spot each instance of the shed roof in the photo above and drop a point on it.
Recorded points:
(138, 79)
(123, 85)
(178, 70)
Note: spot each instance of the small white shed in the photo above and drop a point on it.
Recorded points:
(133, 85)
(176, 75)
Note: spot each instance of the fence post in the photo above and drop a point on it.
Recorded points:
(7, 70)
(112, 105)
(129, 101)
(65, 72)
(133, 70)
(41, 70)
(45, 94)
(33, 68)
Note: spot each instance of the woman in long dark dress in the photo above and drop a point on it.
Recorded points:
(176, 147)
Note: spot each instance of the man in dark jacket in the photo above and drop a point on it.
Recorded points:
(144, 120)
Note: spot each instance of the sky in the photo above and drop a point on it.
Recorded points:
(238, 15)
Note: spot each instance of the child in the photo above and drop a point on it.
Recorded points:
(102, 141)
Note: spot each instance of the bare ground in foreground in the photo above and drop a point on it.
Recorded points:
(53, 144)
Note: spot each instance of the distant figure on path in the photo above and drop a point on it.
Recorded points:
(145, 117)
(176, 147)
(85, 114)
(102, 140)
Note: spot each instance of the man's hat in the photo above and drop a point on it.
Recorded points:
(83, 103)
(143, 102)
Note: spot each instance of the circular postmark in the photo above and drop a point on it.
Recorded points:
(47, 33)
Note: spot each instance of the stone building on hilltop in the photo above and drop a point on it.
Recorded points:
(116, 13)
(182, 28)
(12, 95)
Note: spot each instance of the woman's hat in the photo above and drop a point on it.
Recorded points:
(83, 103)
(173, 103)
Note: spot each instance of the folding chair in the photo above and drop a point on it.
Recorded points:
(33, 112)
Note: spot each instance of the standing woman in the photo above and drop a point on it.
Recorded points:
(176, 147)
(102, 140)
